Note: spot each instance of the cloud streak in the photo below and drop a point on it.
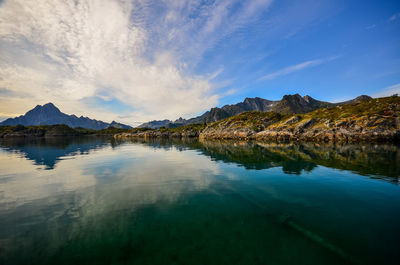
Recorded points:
(294, 68)
(388, 91)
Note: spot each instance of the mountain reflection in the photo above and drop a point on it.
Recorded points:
(49, 151)
(135, 196)
(375, 160)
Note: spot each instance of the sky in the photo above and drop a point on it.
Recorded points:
(138, 60)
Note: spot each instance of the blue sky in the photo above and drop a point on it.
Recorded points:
(356, 46)
(138, 60)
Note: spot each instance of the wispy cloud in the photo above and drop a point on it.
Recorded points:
(394, 17)
(141, 53)
(369, 27)
(388, 91)
(297, 67)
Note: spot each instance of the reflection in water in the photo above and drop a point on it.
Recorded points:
(48, 151)
(377, 160)
(180, 202)
(365, 159)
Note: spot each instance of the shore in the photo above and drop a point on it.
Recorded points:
(375, 120)
(334, 135)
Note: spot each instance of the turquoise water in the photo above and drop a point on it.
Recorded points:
(97, 201)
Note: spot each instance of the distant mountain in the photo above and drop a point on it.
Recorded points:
(289, 104)
(357, 99)
(49, 114)
(155, 124)
(119, 125)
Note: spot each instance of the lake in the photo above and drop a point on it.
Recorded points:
(101, 201)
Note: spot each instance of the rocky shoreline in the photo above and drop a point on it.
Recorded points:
(310, 130)
(375, 120)
(334, 135)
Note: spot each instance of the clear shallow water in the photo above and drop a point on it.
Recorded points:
(97, 201)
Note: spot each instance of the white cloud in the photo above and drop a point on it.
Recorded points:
(297, 67)
(388, 91)
(134, 51)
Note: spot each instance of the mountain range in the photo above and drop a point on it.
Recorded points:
(48, 114)
(289, 104)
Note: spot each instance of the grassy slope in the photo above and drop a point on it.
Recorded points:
(372, 113)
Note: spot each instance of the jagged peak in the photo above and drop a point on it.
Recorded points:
(49, 105)
(180, 119)
(294, 96)
(257, 99)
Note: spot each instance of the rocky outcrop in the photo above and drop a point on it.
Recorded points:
(157, 134)
(311, 129)
(375, 120)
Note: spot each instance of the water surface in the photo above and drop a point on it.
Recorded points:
(97, 201)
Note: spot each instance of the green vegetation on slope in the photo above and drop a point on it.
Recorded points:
(54, 130)
(379, 118)
(381, 108)
(255, 120)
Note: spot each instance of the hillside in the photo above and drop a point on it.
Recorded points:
(289, 104)
(374, 119)
(365, 120)
(49, 114)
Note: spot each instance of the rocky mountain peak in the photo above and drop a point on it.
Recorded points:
(308, 98)
(362, 97)
(289, 104)
(49, 114)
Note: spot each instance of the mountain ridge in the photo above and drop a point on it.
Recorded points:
(289, 104)
(49, 114)
(374, 120)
